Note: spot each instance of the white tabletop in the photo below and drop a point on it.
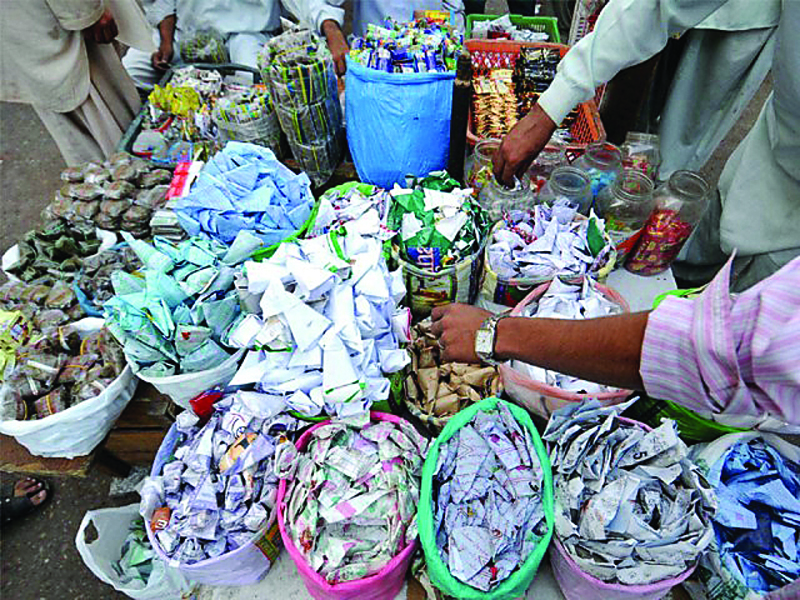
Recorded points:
(640, 291)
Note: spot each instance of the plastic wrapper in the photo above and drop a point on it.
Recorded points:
(155, 178)
(631, 508)
(53, 402)
(114, 208)
(203, 46)
(366, 515)
(414, 47)
(117, 190)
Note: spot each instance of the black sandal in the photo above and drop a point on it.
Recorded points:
(15, 507)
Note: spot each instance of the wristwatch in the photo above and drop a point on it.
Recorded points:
(486, 336)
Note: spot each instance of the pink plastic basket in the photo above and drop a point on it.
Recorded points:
(384, 585)
(575, 584)
(537, 396)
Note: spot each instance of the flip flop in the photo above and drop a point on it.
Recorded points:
(16, 507)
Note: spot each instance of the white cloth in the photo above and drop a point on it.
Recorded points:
(79, 89)
(372, 11)
(225, 16)
(760, 186)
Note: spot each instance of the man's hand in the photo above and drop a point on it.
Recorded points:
(336, 44)
(456, 324)
(104, 30)
(162, 57)
(522, 144)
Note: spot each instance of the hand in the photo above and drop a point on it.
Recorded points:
(522, 144)
(104, 30)
(456, 324)
(162, 57)
(336, 44)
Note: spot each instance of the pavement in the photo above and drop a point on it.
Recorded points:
(38, 558)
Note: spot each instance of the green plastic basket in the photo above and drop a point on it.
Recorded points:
(520, 580)
(547, 24)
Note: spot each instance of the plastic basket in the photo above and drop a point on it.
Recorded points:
(587, 128)
(549, 25)
(538, 397)
(125, 143)
(383, 585)
(583, 19)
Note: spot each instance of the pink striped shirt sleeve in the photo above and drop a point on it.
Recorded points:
(724, 354)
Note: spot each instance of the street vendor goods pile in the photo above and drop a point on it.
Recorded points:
(439, 223)
(415, 47)
(177, 318)
(119, 194)
(365, 514)
(217, 490)
(630, 506)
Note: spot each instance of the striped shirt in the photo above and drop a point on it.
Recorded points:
(726, 355)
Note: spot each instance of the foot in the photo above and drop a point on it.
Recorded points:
(29, 494)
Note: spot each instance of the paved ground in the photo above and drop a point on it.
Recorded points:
(38, 559)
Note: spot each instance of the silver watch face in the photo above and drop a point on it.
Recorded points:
(484, 340)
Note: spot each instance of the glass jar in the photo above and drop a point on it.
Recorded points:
(680, 204)
(625, 205)
(495, 198)
(480, 171)
(571, 184)
(641, 152)
(602, 162)
(544, 164)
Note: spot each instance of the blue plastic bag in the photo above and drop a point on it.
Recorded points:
(398, 124)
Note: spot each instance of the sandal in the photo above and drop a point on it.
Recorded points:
(17, 506)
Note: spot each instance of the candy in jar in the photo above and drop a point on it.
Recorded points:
(625, 205)
(602, 162)
(680, 203)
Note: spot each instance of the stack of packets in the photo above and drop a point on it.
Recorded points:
(757, 525)
(54, 250)
(57, 369)
(630, 506)
(135, 564)
(489, 511)
(568, 301)
(178, 123)
(366, 512)
(329, 325)
(246, 115)
(439, 224)
(119, 194)
(442, 389)
(364, 205)
(177, 318)
(302, 82)
(415, 47)
(494, 105)
(244, 187)
(95, 279)
(46, 302)
(218, 489)
(503, 28)
(548, 242)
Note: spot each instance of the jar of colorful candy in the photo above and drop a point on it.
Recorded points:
(551, 157)
(496, 199)
(602, 162)
(480, 172)
(625, 205)
(680, 203)
(571, 184)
